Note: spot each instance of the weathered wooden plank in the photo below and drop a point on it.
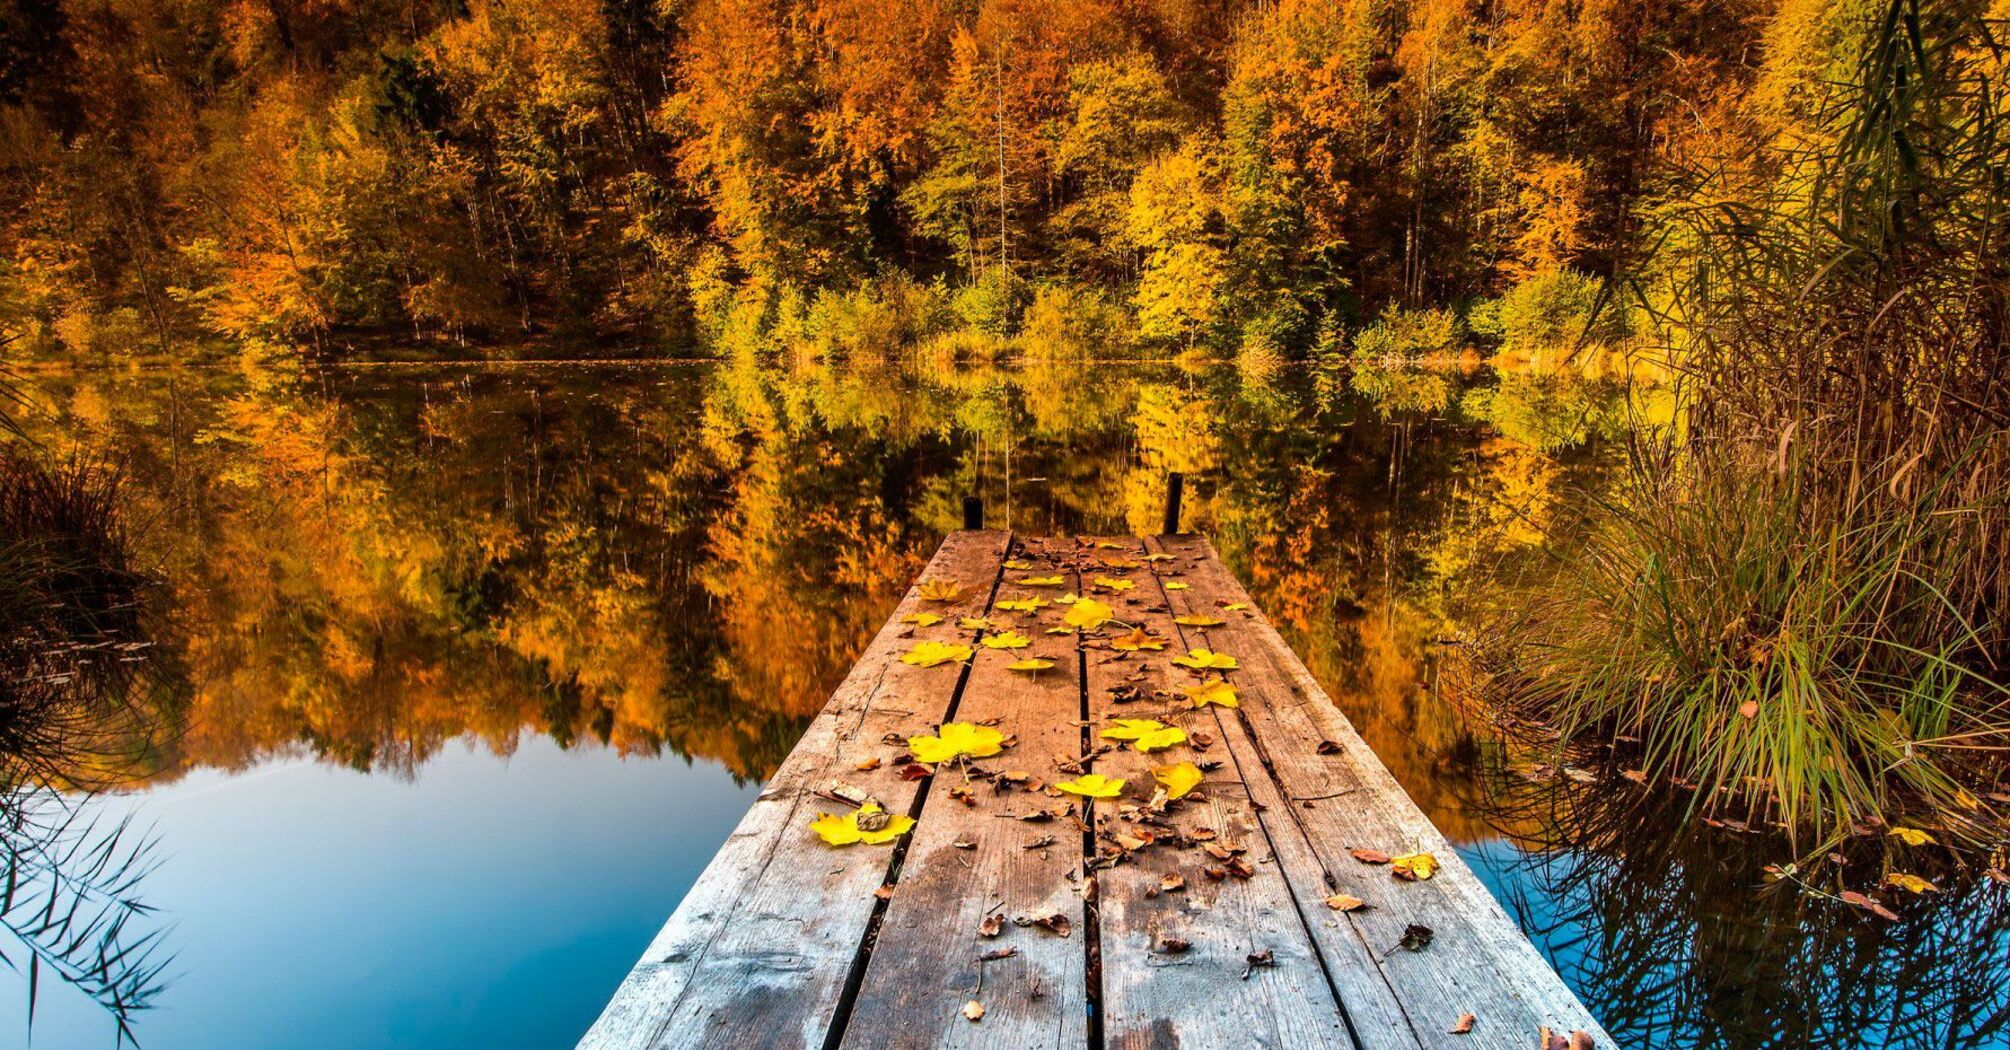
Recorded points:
(971, 861)
(758, 952)
(1206, 994)
(1478, 962)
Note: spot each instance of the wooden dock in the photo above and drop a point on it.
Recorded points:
(1015, 914)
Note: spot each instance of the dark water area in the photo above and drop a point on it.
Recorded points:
(484, 662)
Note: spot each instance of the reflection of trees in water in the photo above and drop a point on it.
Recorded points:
(1672, 927)
(83, 678)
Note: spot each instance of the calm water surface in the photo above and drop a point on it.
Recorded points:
(483, 663)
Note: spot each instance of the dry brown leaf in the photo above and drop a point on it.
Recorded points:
(1463, 1025)
(974, 1010)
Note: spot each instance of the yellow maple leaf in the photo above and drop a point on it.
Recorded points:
(1175, 585)
(870, 825)
(1235, 606)
(1145, 734)
(1206, 660)
(1092, 785)
(921, 619)
(1007, 640)
(1069, 598)
(1042, 581)
(1031, 663)
(1111, 583)
(1018, 566)
(973, 623)
(1413, 866)
(941, 591)
(1212, 693)
(1178, 778)
(1912, 836)
(931, 653)
(1198, 620)
(1088, 614)
(1138, 639)
(1022, 604)
(956, 738)
(1910, 883)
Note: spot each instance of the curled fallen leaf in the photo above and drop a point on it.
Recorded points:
(992, 925)
(869, 824)
(1172, 882)
(1051, 921)
(1137, 641)
(1411, 867)
(974, 1010)
(1258, 960)
(1345, 902)
(1416, 937)
(1463, 1025)
(1171, 945)
(1370, 856)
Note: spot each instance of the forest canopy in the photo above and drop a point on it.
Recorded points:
(1231, 175)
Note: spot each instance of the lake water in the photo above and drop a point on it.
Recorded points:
(482, 663)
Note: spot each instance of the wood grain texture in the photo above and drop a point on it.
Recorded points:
(757, 953)
(1207, 994)
(1479, 961)
(970, 861)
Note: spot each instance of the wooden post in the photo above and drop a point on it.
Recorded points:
(973, 512)
(1175, 488)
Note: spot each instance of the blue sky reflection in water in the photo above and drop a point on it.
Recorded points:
(484, 663)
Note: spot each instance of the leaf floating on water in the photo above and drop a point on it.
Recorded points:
(1092, 785)
(942, 591)
(1411, 867)
(1867, 903)
(1088, 614)
(921, 619)
(1022, 604)
(1463, 1025)
(931, 653)
(869, 824)
(1216, 692)
(1345, 902)
(1145, 734)
(1007, 640)
(1111, 583)
(1911, 836)
(1031, 665)
(1207, 660)
(1910, 883)
(1139, 639)
(1198, 620)
(1178, 778)
(1042, 581)
(956, 738)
